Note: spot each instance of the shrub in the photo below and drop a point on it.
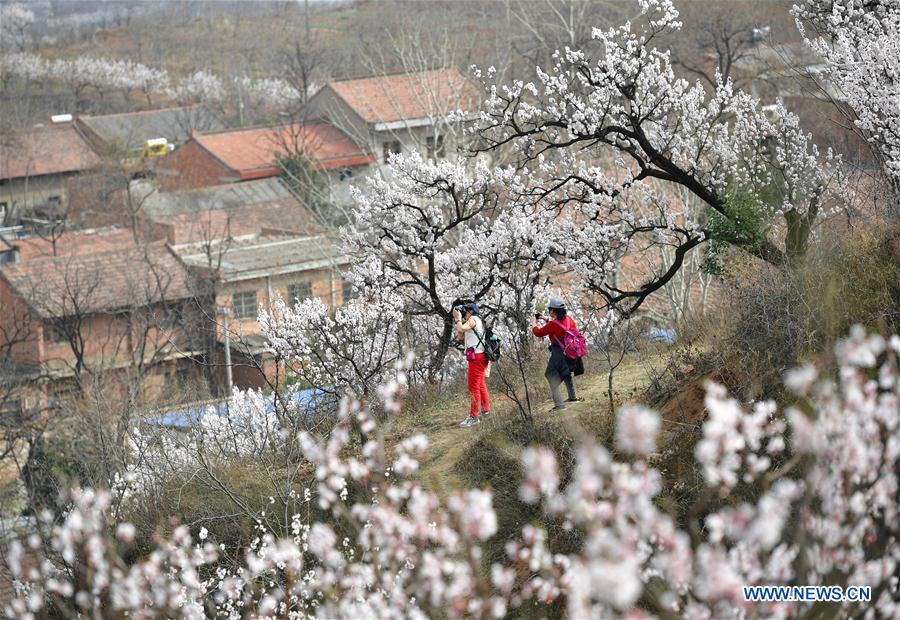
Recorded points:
(775, 318)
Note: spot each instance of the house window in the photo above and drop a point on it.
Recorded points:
(435, 147)
(346, 174)
(175, 380)
(347, 292)
(391, 147)
(245, 305)
(299, 291)
(62, 392)
(10, 411)
(55, 333)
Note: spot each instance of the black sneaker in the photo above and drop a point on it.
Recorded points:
(574, 400)
(484, 414)
(470, 421)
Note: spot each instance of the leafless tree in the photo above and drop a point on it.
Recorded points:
(110, 324)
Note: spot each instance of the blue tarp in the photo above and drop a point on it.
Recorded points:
(186, 418)
(659, 334)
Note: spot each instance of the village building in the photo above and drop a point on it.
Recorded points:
(224, 211)
(36, 165)
(220, 234)
(238, 155)
(399, 113)
(96, 309)
(125, 135)
(247, 274)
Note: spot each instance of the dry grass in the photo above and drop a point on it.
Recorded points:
(449, 444)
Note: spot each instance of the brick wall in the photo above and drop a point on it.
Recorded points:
(191, 166)
(20, 334)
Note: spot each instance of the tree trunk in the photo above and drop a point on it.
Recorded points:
(440, 354)
(796, 239)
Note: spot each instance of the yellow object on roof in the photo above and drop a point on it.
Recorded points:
(156, 147)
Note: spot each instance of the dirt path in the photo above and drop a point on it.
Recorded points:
(448, 442)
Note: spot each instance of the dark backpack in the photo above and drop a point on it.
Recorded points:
(491, 343)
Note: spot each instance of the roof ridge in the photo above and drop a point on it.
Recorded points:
(210, 188)
(213, 132)
(392, 74)
(43, 260)
(135, 112)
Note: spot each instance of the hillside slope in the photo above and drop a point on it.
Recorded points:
(449, 444)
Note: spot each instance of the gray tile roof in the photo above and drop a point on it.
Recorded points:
(72, 285)
(263, 255)
(229, 196)
(132, 129)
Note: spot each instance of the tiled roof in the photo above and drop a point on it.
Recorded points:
(778, 57)
(132, 129)
(230, 210)
(226, 196)
(74, 243)
(264, 255)
(44, 150)
(243, 220)
(408, 96)
(252, 152)
(99, 282)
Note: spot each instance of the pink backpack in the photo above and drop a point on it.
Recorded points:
(574, 345)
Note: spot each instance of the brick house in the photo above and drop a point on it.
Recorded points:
(398, 113)
(247, 273)
(248, 242)
(36, 165)
(236, 155)
(97, 309)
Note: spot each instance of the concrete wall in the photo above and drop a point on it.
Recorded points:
(28, 192)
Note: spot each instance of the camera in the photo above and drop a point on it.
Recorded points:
(460, 305)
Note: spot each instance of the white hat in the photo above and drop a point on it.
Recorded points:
(556, 303)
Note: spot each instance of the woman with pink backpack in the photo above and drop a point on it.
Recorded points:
(567, 347)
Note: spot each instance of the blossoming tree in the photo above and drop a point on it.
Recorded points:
(430, 232)
(860, 44)
(15, 18)
(348, 352)
(596, 133)
(826, 513)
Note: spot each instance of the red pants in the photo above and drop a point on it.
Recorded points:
(478, 394)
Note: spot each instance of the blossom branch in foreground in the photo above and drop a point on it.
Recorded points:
(402, 552)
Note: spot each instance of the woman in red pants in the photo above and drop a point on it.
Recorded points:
(470, 328)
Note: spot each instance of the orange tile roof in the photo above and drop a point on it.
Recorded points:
(408, 96)
(252, 152)
(44, 150)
